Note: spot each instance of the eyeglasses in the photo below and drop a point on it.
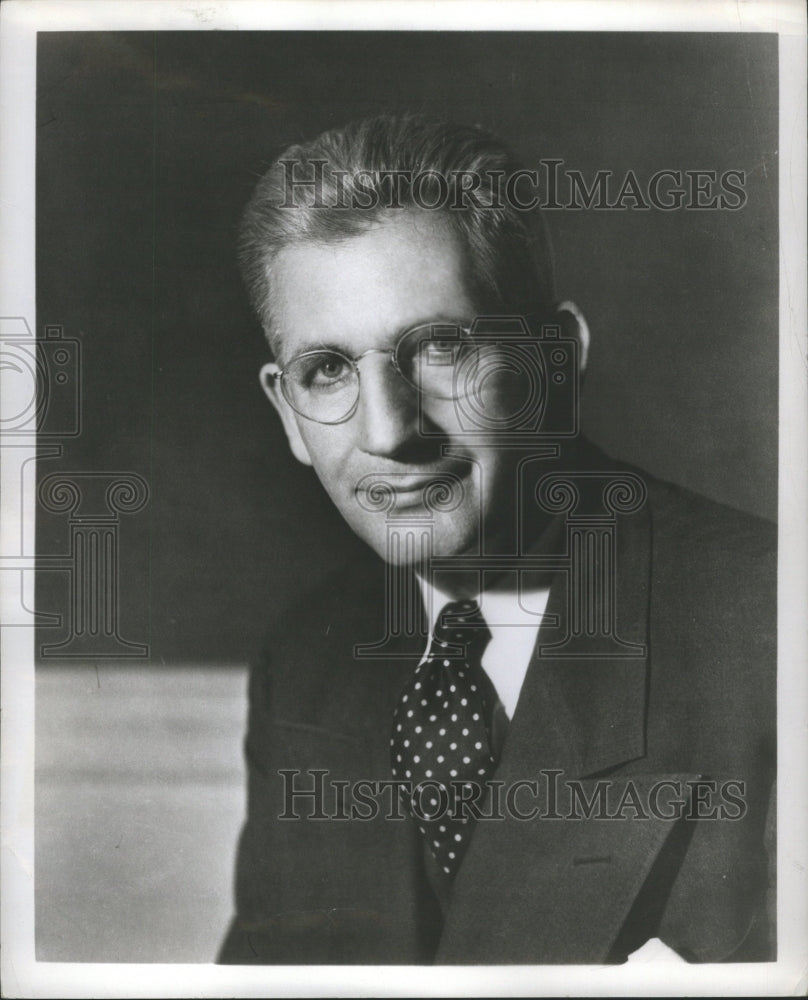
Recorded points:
(433, 358)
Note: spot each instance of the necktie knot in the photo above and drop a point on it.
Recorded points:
(460, 627)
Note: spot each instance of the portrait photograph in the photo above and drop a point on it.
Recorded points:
(404, 484)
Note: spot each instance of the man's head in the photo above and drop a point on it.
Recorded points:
(350, 262)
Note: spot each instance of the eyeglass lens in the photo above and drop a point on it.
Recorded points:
(324, 385)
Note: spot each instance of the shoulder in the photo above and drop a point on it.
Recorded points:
(718, 561)
(713, 616)
(332, 607)
(690, 520)
(701, 523)
(308, 652)
(711, 588)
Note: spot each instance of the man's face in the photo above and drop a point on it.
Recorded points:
(358, 295)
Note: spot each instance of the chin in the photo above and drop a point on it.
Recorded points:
(408, 544)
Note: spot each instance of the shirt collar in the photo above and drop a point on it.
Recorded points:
(499, 606)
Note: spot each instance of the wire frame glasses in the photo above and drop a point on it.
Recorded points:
(324, 385)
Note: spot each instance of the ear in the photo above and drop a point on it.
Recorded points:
(272, 390)
(573, 324)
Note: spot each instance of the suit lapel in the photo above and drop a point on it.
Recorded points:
(556, 889)
(553, 889)
(597, 692)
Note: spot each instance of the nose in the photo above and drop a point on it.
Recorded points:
(386, 417)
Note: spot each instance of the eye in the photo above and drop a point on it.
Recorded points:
(323, 371)
(330, 368)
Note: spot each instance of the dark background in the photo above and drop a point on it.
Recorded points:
(148, 147)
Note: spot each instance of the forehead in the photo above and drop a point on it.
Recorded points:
(358, 293)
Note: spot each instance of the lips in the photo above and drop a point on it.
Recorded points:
(413, 495)
(416, 484)
(384, 491)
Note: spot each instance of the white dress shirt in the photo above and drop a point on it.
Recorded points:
(513, 618)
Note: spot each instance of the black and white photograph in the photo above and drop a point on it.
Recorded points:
(404, 482)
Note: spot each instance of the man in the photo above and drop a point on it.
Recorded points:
(539, 728)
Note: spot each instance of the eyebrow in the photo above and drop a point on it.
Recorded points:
(321, 345)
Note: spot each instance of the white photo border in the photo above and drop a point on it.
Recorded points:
(22, 975)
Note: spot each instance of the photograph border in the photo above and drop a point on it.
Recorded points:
(22, 975)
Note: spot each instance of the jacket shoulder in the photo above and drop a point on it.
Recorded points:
(698, 521)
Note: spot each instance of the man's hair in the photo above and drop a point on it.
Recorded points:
(339, 184)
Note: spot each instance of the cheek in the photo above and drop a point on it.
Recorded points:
(494, 401)
(444, 414)
(498, 479)
(328, 448)
(318, 438)
(505, 400)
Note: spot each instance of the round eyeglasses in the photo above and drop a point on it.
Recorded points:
(323, 385)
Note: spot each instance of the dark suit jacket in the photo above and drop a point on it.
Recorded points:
(696, 586)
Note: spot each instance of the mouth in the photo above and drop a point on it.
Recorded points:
(441, 489)
(413, 484)
(415, 492)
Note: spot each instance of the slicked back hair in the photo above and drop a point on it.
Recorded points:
(339, 184)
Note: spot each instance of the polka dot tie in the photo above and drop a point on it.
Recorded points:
(441, 747)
